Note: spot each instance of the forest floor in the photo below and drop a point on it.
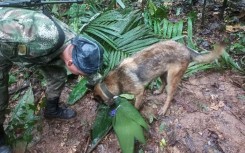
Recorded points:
(207, 115)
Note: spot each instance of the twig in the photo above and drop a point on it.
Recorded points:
(95, 145)
(20, 88)
(86, 148)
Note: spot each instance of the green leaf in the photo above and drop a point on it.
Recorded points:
(103, 36)
(127, 96)
(156, 27)
(151, 7)
(228, 61)
(127, 124)
(22, 106)
(22, 119)
(131, 112)
(165, 27)
(107, 30)
(189, 33)
(193, 68)
(121, 4)
(127, 130)
(12, 79)
(170, 30)
(175, 29)
(102, 124)
(114, 58)
(77, 92)
(180, 28)
(178, 11)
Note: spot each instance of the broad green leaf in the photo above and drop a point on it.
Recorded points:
(127, 131)
(131, 112)
(77, 92)
(127, 124)
(102, 124)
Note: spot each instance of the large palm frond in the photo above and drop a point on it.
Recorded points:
(120, 34)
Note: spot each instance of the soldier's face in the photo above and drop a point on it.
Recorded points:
(73, 69)
(67, 57)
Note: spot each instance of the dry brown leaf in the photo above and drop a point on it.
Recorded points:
(235, 28)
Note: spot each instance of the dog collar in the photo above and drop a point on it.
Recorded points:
(106, 91)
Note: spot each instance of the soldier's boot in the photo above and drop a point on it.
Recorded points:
(52, 110)
(4, 148)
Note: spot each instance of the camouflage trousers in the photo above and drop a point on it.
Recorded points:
(55, 74)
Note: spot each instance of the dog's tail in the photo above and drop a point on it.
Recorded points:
(208, 57)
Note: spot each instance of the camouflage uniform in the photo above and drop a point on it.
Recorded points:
(26, 39)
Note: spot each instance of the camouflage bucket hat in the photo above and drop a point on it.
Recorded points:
(87, 55)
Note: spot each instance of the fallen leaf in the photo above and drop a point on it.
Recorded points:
(214, 107)
(234, 28)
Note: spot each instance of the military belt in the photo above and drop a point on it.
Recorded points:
(11, 50)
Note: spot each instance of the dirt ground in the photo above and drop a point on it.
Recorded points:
(207, 115)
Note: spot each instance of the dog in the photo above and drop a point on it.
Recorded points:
(166, 59)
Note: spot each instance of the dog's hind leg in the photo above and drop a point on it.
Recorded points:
(174, 76)
(139, 98)
(163, 78)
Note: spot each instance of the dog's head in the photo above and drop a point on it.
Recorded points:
(102, 94)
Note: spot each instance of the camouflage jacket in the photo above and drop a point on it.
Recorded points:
(29, 36)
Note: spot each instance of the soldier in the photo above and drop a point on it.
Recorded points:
(34, 38)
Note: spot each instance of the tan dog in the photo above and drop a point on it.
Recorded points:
(167, 60)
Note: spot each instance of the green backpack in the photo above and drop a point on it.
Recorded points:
(29, 36)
